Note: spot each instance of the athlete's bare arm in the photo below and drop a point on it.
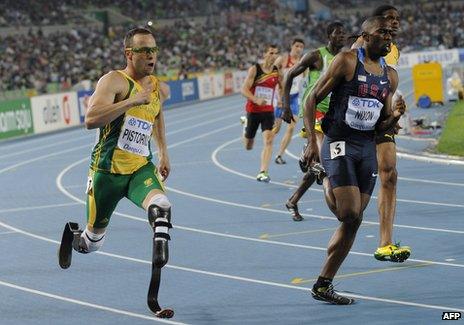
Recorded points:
(280, 83)
(342, 68)
(247, 86)
(309, 60)
(389, 114)
(159, 134)
(106, 103)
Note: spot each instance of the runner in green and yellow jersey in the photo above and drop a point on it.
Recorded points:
(317, 63)
(126, 108)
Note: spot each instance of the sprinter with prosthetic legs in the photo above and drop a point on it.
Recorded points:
(127, 110)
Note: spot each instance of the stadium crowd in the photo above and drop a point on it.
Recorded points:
(230, 39)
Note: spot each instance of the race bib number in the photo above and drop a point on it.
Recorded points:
(265, 93)
(337, 149)
(362, 113)
(135, 136)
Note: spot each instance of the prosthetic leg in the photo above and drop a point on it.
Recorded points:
(160, 221)
(70, 239)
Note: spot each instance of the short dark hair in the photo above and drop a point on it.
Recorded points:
(130, 35)
(270, 46)
(333, 26)
(380, 10)
(372, 21)
(298, 40)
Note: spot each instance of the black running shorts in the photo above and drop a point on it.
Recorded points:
(266, 120)
(350, 162)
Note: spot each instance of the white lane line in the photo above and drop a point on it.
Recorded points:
(72, 197)
(191, 110)
(238, 278)
(232, 171)
(92, 134)
(7, 232)
(430, 181)
(209, 121)
(64, 171)
(32, 140)
(411, 138)
(39, 207)
(315, 216)
(429, 159)
(280, 242)
(89, 145)
(25, 162)
(417, 180)
(200, 107)
(16, 153)
(194, 115)
(63, 189)
(86, 304)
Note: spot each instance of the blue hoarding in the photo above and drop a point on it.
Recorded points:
(182, 91)
(82, 100)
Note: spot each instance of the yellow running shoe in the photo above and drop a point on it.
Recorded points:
(303, 133)
(393, 253)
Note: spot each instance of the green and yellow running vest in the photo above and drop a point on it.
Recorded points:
(313, 77)
(123, 146)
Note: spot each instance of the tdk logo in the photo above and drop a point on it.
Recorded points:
(366, 103)
(143, 125)
(450, 315)
(139, 124)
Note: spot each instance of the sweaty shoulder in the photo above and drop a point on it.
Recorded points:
(115, 81)
(346, 58)
(113, 76)
(344, 63)
(350, 54)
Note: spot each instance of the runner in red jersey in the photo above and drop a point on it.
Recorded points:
(260, 90)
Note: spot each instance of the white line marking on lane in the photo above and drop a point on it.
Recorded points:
(65, 192)
(92, 135)
(7, 232)
(202, 116)
(169, 114)
(39, 207)
(232, 171)
(16, 153)
(238, 278)
(202, 109)
(86, 304)
(43, 157)
(292, 155)
(91, 145)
